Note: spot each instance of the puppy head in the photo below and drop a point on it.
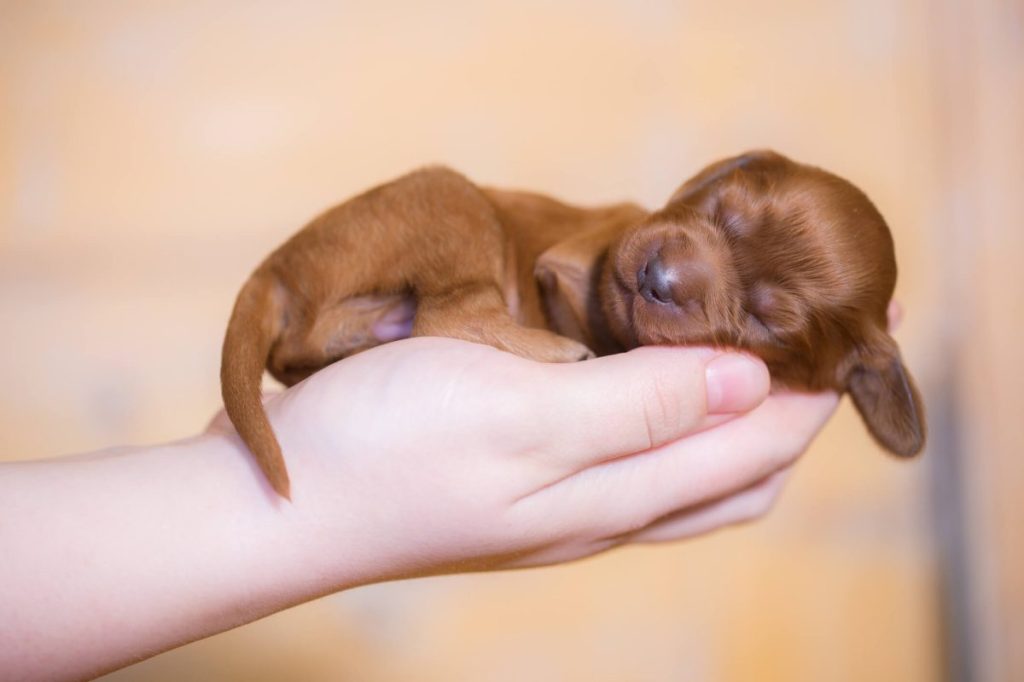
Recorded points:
(783, 260)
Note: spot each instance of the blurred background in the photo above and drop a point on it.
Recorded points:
(151, 153)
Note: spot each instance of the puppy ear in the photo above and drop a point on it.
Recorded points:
(886, 397)
(568, 274)
(720, 169)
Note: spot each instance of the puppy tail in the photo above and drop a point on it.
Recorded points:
(254, 327)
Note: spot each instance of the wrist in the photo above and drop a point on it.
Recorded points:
(281, 552)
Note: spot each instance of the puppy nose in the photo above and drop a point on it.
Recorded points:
(672, 281)
(655, 281)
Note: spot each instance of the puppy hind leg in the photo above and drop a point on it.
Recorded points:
(366, 321)
(352, 326)
(478, 313)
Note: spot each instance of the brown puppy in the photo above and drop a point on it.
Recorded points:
(756, 252)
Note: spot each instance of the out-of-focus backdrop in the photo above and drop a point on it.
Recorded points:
(152, 152)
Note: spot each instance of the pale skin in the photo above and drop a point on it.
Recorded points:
(419, 457)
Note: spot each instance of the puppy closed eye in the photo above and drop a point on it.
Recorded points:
(758, 321)
(774, 309)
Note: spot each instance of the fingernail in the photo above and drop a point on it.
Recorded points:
(735, 383)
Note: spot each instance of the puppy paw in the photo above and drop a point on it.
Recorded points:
(545, 346)
(587, 355)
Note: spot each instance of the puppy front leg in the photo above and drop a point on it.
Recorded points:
(478, 313)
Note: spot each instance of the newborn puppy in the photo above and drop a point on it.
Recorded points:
(756, 252)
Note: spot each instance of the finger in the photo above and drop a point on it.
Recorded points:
(621, 404)
(630, 493)
(742, 507)
(731, 457)
(746, 505)
(749, 504)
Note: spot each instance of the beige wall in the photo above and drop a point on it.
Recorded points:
(152, 152)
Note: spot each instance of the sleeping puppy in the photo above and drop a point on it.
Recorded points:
(756, 252)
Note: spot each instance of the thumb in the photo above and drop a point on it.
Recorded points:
(620, 404)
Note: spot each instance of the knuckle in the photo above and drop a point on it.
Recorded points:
(754, 507)
(634, 523)
(663, 409)
(763, 503)
(787, 448)
(762, 499)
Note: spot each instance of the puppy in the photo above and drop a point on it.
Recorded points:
(756, 252)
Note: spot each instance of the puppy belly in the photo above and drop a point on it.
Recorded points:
(361, 322)
(396, 323)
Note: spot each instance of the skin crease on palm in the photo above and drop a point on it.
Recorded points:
(418, 457)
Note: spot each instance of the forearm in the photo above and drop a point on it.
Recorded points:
(115, 556)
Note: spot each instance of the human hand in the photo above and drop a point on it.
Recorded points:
(434, 455)
(421, 456)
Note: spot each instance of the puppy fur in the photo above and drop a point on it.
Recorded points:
(756, 252)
